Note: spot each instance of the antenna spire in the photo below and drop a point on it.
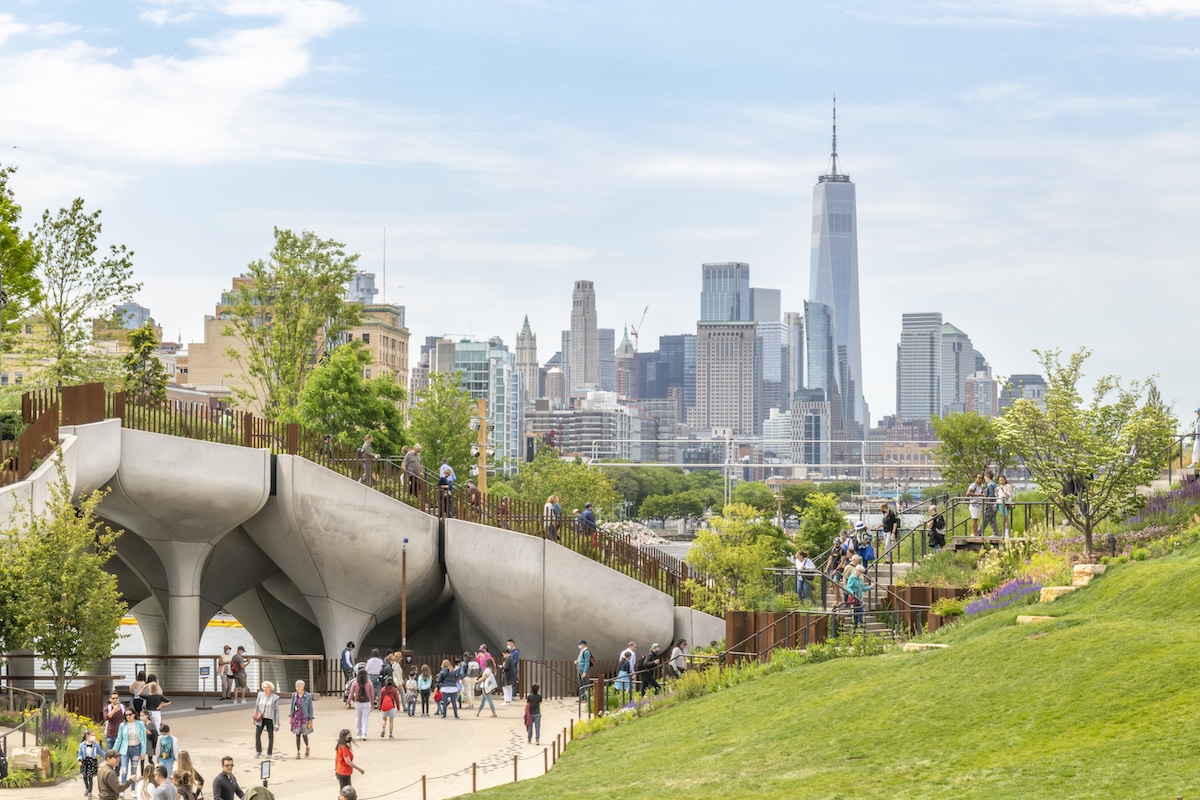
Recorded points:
(834, 174)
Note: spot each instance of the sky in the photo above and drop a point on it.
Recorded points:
(1029, 168)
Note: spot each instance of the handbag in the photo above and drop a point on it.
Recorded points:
(437, 696)
(258, 715)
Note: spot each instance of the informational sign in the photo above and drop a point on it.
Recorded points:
(206, 672)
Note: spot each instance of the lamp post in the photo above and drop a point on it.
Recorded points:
(404, 595)
(481, 442)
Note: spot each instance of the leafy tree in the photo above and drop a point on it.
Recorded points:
(338, 400)
(795, 496)
(573, 481)
(820, 522)
(691, 503)
(18, 264)
(970, 443)
(734, 555)
(145, 377)
(1089, 460)
(67, 607)
(441, 422)
(278, 313)
(77, 287)
(758, 495)
(844, 490)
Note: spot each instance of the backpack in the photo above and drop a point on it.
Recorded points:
(641, 664)
(591, 661)
(473, 670)
(361, 693)
(386, 703)
(235, 666)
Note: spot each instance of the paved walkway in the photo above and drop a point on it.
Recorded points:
(441, 750)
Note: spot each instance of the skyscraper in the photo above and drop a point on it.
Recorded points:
(919, 365)
(833, 277)
(793, 327)
(527, 362)
(725, 292)
(606, 346)
(960, 360)
(764, 310)
(583, 357)
(727, 371)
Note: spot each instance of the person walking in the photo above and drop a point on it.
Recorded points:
(114, 715)
(447, 683)
(625, 665)
(367, 455)
(937, 529)
(223, 669)
(677, 663)
(302, 716)
(805, 569)
(374, 668)
(130, 745)
(588, 525)
(343, 759)
(153, 701)
(424, 687)
(348, 661)
(583, 664)
(1004, 505)
(412, 468)
(648, 670)
(89, 756)
(225, 786)
(266, 717)
(990, 512)
(533, 715)
(855, 585)
(108, 785)
(1195, 441)
(168, 748)
(135, 692)
(362, 695)
(238, 667)
(410, 695)
(389, 707)
(192, 777)
(488, 681)
(889, 528)
(975, 502)
(551, 517)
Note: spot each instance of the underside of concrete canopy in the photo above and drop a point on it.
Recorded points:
(308, 559)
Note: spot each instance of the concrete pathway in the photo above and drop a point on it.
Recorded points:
(441, 750)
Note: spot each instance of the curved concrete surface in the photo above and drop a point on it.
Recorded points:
(547, 597)
(309, 559)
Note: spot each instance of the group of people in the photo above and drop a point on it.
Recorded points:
(138, 748)
(169, 779)
(990, 500)
(638, 673)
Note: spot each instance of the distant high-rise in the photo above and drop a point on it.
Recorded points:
(583, 357)
(606, 344)
(764, 310)
(960, 360)
(725, 292)
(822, 352)
(793, 333)
(527, 362)
(727, 367)
(833, 277)
(919, 367)
(626, 367)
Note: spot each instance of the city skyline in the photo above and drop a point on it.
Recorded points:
(1001, 155)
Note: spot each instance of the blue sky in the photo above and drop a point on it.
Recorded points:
(1028, 168)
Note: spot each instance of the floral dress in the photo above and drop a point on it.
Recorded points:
(300, 723)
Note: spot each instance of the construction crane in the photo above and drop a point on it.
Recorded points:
(632, 391)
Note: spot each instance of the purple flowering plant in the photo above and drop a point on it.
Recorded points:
(1018, 591)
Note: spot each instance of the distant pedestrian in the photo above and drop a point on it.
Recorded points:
(805, 569)
(367, 455)
(503, 515)
(344, 764)
(154, 701)
(937, 529)
(89, 756)
(348, 661)
(362, 695)
(1004, 505)
(302, 716)
(374, 667)
(135, 692)
(266, 718)
(648, 669)
(446, 492)
(587, 521)
(424, 687)
(474, 499)
(625, 666)
(389, 707)
(533, 715)
(410, 695)
(889, 528)
(223, 669)
(677, 663)
(975, 502)
(238, 667)
(168, 748)
(1195, 441)
(327, 448)
(412, 468)
(488, 682)
(855, 586)
(114, 715)
(447, 684)
(552, 517)
(583, 664)
(989, 504)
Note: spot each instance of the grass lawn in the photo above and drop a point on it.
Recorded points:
(1102, 702)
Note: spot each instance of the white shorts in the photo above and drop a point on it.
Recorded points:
(976, 512)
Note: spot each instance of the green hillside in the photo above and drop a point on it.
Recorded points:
(1102, 702)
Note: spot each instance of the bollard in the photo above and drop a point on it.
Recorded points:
(545, 760)
(554, 753)
(514, 769)
(423, 795)
(474, 771)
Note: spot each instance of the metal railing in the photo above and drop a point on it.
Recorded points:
(20, 701)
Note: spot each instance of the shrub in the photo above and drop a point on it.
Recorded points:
(945, 568)
(1140, 554)
(1019, 591)
(948, 607)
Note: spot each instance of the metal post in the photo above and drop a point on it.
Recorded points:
(481, 441)
(404, 595)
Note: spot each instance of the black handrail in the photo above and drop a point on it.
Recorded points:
(32, 700)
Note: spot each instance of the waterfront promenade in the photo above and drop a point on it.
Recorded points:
(441, 750)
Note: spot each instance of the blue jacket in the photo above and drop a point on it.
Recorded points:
(122, 743)
(94, 750)
(304, 701)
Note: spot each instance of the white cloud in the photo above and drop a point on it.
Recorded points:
(10, 27)
(161, 16)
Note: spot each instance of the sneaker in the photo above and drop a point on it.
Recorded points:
(390, 736)
(258, 755)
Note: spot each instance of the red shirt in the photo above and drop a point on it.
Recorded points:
(343, 759)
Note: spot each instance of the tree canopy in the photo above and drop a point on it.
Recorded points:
(144, 376)
(60, 601)
(1089, 459)
(77, 287)
(573, 481)
(820, 522)
(18, 264)
(338, 400)
(285, 304)
(734, 554)
(440, 421)
(970, 443)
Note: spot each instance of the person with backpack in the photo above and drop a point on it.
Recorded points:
(647, 668)
(168, 748)
(237, 667)
(989, 505)
(489, 685)
(889, 528)
(362, 694)
(583, 664)
(389, 706)
(471, 672)
(937, 529)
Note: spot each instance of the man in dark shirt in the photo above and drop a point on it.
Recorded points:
(649, 670)
(225, 787)
(108, 785)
